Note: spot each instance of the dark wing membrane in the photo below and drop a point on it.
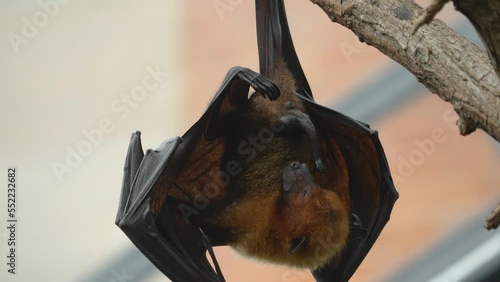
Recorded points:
(135, 155)
(371, 189)
(161, 192)
(274, 40)
(179, 261)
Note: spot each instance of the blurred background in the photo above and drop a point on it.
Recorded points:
(78, 77)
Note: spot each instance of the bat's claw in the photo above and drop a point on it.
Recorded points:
(260, 83)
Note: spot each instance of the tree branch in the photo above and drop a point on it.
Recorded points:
(429, 14)
(445, 62)
(493, 221)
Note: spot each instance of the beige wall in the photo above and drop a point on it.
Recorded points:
(68, 77)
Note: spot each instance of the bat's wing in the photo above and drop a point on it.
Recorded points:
(274, 40)
(161, 190)
(179, 261)
(371, 189)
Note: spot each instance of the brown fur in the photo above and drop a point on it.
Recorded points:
(261, 226)
(247, 209)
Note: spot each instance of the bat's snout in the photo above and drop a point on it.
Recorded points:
(297, 182)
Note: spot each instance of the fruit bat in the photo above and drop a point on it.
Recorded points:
(272, 174)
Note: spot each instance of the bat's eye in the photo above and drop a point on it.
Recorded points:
(286, 188)
(289, 106)
(295, 165)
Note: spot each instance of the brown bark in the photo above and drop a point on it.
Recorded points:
(429, 14)
(445, 62)
(493, 221)
(483, 14)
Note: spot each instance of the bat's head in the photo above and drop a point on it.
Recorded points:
(314, 223)
(305, 226)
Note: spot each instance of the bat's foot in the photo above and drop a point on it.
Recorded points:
(298, 119)
(260, 83)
